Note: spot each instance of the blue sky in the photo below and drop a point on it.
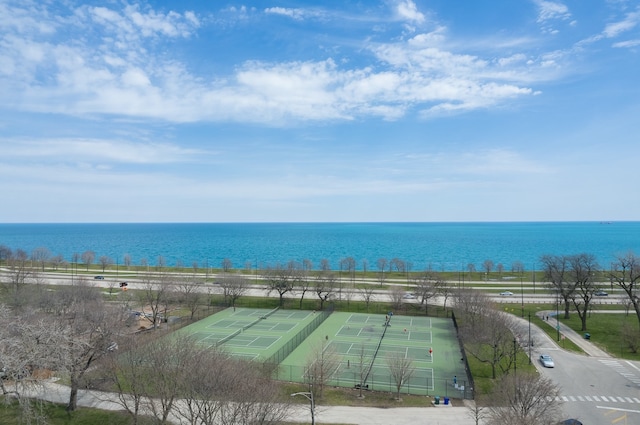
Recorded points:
(392, 110)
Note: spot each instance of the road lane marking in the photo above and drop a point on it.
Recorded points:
(617, 409)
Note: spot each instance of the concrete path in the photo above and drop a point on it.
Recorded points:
(590, 349)
(453, 414)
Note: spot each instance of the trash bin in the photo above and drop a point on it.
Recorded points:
(446, 401)
(437, 399)
(587, 336)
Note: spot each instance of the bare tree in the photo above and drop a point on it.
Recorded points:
(557, 273)
(625, 273)
(363, 365)
(161, 263)
(630, 337)
(526, 398)
(89, 330)
(302, 282)
(233, 287)
(155, 294)
(487, 266)
(396, 294)
(583, 269)
(280, 279)
(57, 261)
(321, 365)
(127, 260)
(471, 268)
(426, 288)
(368, 294)
(325, 266)
(401, 369)
(87, 258)
(382, 265)
(517, 267)
(492, 342)
(41, 255)
(227, 265)
(325, 286)
(398, 264)
(167, 359)
(130, 372)
(478, 410)
(188, 293)
(444, 289)
(20, 276)
(30, 346)
(486, 332)
(105, 262)
(349, 264)
(5, 254)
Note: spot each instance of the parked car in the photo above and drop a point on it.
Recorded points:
(99, 277)
(570, 422)
(600, 293)
(506, 293)
(409, 296)
(546, 360)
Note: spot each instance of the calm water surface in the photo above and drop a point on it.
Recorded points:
(442, 246)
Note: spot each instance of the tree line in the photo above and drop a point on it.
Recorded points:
(43, 257)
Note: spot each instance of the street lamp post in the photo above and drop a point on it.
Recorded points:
(309, 396)
(521, 296)
(529, 337)
(558, 314)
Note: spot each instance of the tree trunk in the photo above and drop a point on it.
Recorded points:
(73, 396)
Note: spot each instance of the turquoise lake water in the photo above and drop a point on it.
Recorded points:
(441, 246)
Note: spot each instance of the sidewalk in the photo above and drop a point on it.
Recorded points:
(585, 345)
(441, 415)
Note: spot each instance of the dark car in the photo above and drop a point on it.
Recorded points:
(571, 422)
(99, 277)
(600, 293)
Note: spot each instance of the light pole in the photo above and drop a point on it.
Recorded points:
(558, 314)
(309, 396)
(521, 296)
(529, 337)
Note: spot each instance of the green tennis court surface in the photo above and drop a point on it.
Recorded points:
(361, 342)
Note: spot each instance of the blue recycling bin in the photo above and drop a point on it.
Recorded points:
(446, 401)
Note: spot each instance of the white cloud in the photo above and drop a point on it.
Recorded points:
(116, 72)
(294, 13)
(408, 11)
(614, 29)
(551, 10)
(97, 151)
(627, 44)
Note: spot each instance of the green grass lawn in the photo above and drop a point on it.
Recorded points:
(57, 415)
(606, 331)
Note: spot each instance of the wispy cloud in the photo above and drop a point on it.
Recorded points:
(630, 21)
(297, 14)
(101, 151)
(550, 12)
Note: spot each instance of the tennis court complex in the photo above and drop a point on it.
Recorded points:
(253, 334)
(360, 343)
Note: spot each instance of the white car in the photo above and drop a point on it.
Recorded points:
(506, 293)
(409, 296)
(546, 360)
